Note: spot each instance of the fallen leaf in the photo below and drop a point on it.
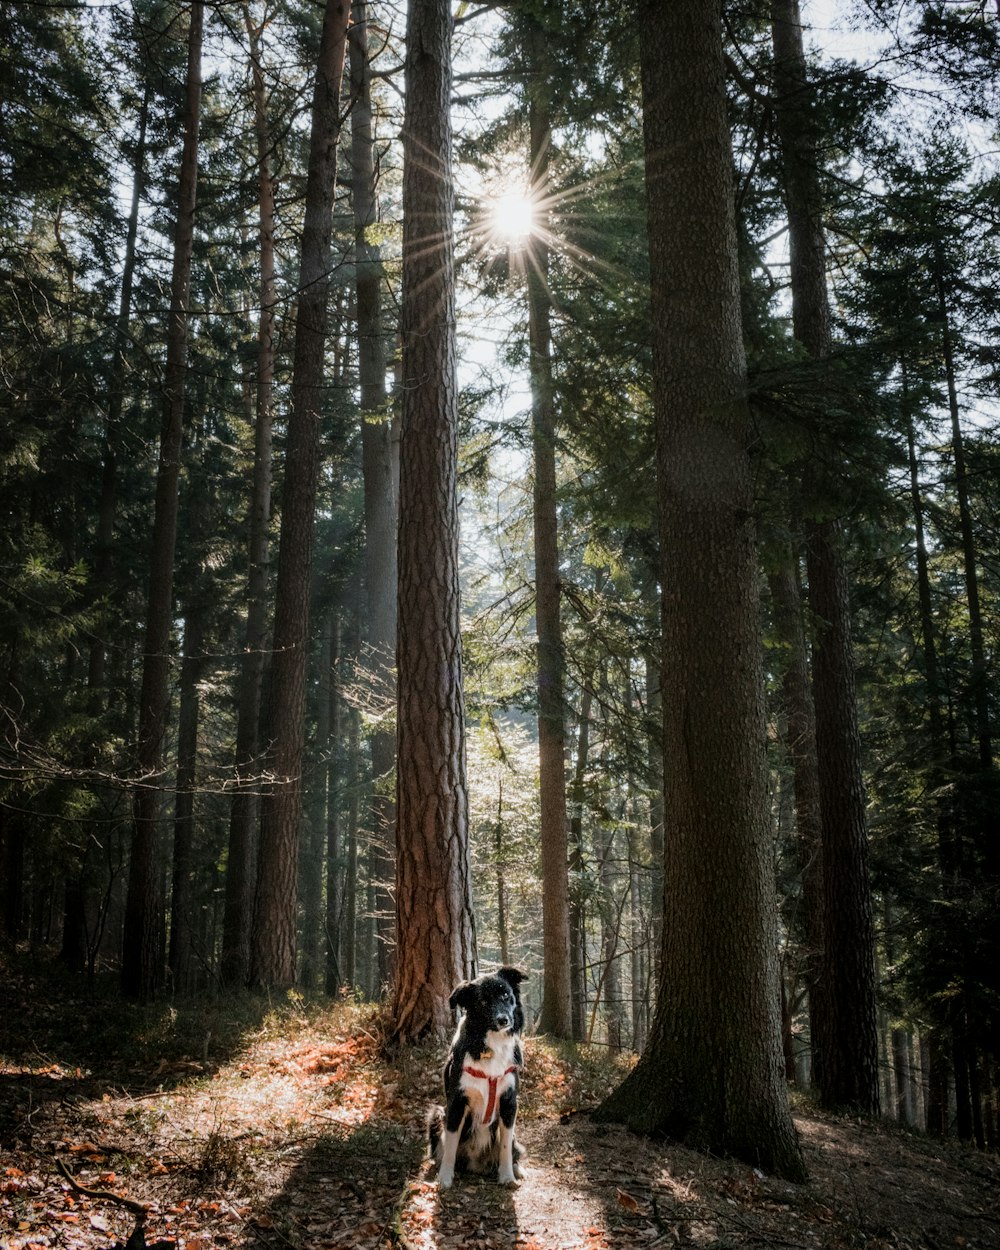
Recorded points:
(626, 1200)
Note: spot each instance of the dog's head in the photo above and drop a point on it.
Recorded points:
(493, 1001)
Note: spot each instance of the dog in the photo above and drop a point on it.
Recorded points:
(475, 1130)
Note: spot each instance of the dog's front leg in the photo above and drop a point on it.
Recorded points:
(454, 1119)
(508, 1114)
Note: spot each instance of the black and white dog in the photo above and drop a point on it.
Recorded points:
(475, 1133)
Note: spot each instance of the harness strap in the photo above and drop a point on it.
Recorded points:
(494, 1081)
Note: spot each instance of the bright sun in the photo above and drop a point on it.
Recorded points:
(512, 217)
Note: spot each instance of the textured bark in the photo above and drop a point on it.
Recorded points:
(272, 952)
(143, 939)
(380, 467)
(245, 808)
(435, 928)
(845, 1045)
(711, 1073)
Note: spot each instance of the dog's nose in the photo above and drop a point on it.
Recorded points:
(503, 1021)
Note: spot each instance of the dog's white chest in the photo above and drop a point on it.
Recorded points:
(486, 1077)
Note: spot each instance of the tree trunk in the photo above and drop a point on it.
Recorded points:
(800, 728)
(336, 975)
(143, 939)
(380, 465)
(654, 755)
(557, 1015)
(181, 903)
(980, 687)
(318, 823)
(845, 1044)
(272, 956)
(578, 914)
(245, 810)
(104, 536)
(435, 928)
(711, 1073)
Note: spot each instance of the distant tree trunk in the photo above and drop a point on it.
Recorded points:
(181, 902)
(240, 862)
(611, 922)
(143, 940)
(380, 464)
(711, 1073)
(336, 974)
(272, 959)
(436, 945)
(577, 914)
(318, 823)
(800, 728)
(654, 756)
(844, 1017)
(104, 537)
(557, 1014)
(980, 687)
(502, 932)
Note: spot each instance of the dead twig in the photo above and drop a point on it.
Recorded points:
(102, 1195)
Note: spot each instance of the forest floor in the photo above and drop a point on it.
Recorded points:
(278, 1127)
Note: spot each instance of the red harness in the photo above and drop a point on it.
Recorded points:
(491, 1102)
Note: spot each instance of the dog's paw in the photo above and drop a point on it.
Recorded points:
(519, 1172)
(508, 1178)
(445, 1179)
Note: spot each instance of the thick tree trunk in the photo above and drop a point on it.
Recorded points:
(845, 1045)
(240, 863)
(380, 465)
(436, 947)
(557, 1014)
(711, 1073)
(143, 941)
(273, 937)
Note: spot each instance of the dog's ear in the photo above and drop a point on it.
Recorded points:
(462, 996)
(513, 976)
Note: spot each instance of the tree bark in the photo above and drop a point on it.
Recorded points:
(380, 467)
(273, 935)
(143, 939)
(435, 925)
(844, 1017)
(711, 1073)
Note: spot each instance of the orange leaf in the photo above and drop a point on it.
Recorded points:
(627, 1201)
